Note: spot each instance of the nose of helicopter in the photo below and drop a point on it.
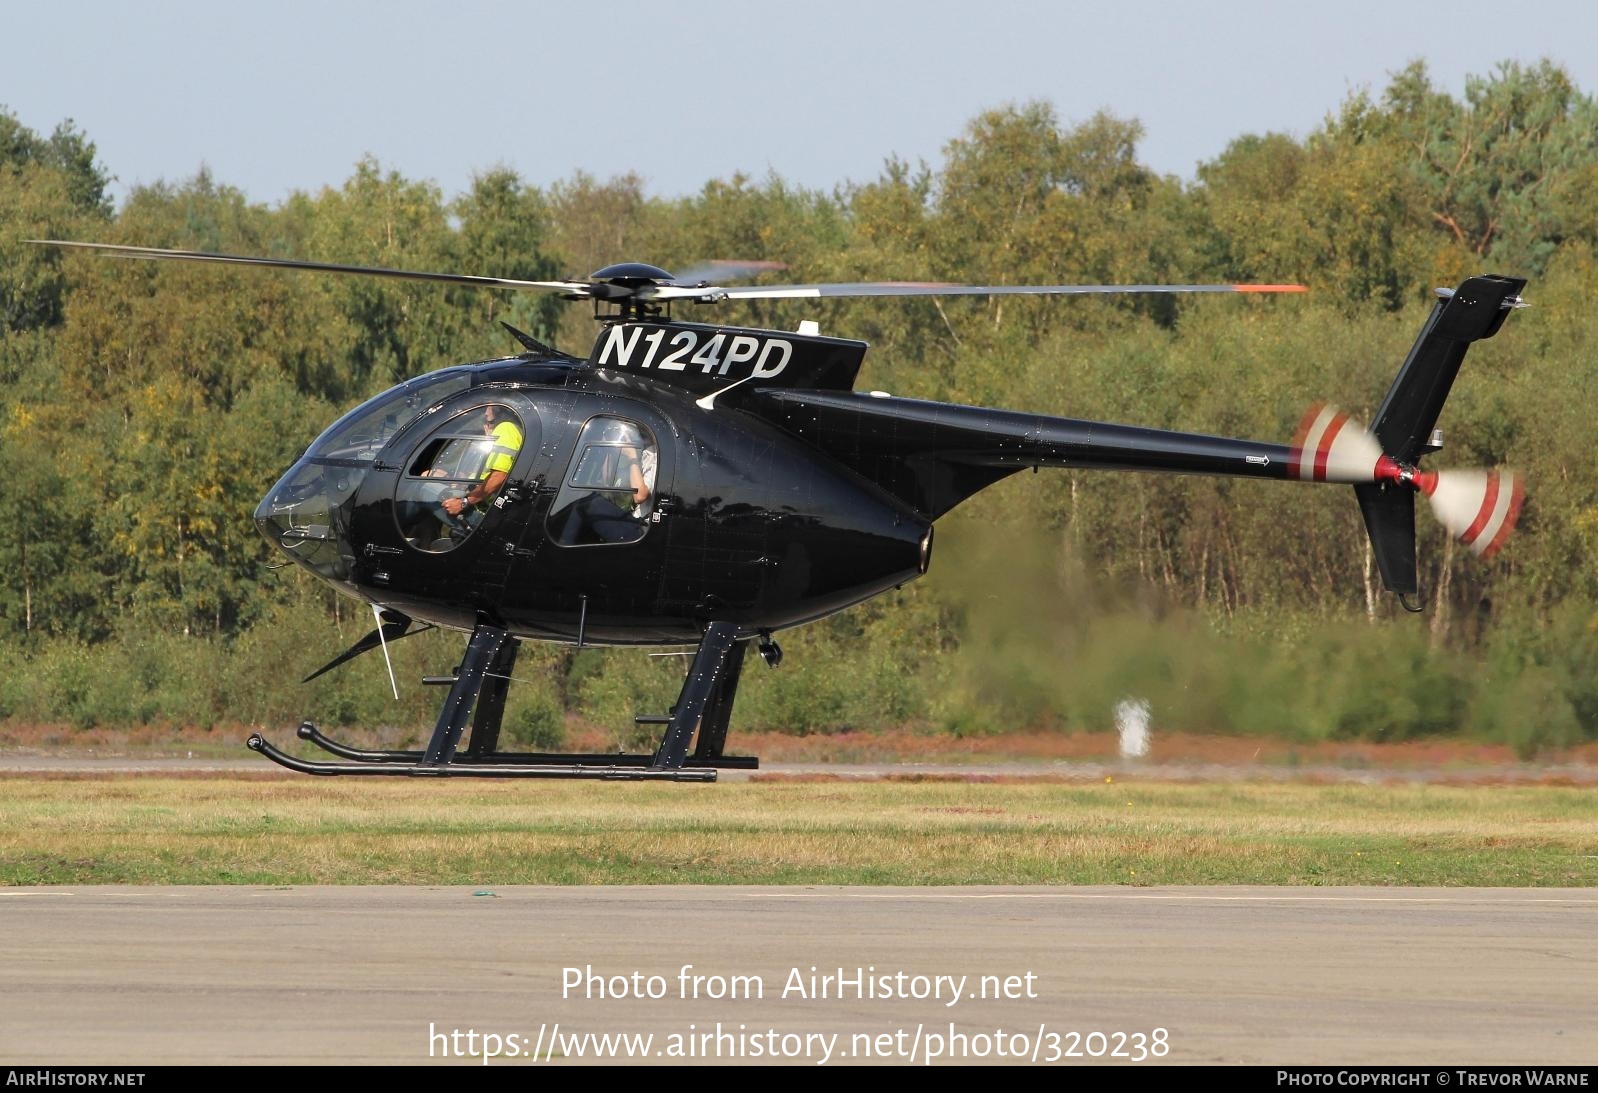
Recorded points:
(306, 516)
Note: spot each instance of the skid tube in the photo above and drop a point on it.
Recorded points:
(500, 769)
(477, 696)
(308, 731)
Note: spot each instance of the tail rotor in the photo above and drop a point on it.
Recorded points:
(1478, 507)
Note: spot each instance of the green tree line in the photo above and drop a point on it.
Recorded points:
(148, 407)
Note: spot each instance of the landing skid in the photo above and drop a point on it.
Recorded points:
(466, 769)
(308, 731)
(703, 708)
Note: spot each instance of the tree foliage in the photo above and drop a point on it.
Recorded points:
(149, 406)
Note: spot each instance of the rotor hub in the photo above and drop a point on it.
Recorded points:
(630, 273)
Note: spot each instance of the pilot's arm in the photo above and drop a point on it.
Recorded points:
(479, 493)
(509, 441)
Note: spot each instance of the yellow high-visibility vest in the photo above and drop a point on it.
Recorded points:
(507, 441)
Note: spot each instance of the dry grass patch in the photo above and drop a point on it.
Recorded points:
(301, 831)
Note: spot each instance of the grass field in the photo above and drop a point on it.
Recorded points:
(272, 830)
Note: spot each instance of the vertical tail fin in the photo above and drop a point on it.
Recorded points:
(1472, 312)
(1403, 424)
(1477, 507)
(1390, 522)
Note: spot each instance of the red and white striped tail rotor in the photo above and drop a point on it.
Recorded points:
(1330, 446)
(1478, 507)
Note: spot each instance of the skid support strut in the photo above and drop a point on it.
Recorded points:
(713, 666)
(489, 645)
(718, 709)
(477, 697)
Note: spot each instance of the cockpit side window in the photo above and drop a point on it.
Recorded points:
(609, 493)
(452, 477)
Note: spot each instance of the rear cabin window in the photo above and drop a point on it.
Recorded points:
(609, 492)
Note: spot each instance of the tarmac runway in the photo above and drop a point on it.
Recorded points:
(328, 975)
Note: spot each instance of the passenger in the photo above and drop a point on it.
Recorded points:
(617, 468)
(639, 475)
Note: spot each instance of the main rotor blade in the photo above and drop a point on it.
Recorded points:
(576, 287)
(915, 288)
(667, 292)
(724, 269)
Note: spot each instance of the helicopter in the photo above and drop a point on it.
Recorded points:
(711, 485)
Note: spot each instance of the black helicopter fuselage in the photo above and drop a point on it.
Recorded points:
(779, 495)
(745, 522)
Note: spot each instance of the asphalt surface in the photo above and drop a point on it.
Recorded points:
(324, 975)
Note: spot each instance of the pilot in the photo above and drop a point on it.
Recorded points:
(505, 440)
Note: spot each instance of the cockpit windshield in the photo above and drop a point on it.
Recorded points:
(307, 513)
(360, 434)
